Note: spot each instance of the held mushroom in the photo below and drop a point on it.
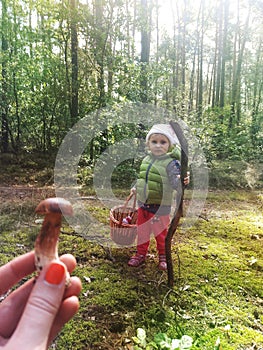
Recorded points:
(46, 244)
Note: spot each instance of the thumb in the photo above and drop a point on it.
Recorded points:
(42, 306)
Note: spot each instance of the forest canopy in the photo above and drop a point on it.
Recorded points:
(61, 60)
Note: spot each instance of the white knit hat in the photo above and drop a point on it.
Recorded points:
(164, 129)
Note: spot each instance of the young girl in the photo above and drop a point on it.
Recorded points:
(159, 176)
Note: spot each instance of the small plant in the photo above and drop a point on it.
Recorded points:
(161, 341)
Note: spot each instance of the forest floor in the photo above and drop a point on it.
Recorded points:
(218, 261)
(217, 298)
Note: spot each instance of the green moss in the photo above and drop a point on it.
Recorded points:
(100, 213)
(218, 273)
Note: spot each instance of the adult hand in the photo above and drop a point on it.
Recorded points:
(33, 314)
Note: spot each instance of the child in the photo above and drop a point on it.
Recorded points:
(159, 175)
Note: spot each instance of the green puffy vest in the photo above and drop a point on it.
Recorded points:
(153, 186)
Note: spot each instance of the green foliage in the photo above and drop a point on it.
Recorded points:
(161, 341)
(125, 173)
(37, 86)
(220, 141)
(27, 168)
(235, 174)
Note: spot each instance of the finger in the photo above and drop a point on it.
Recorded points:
(24, 265)
(40, 311)
(12, 308)
(68, 309)
(69, 260)
(15, 270)
(74, 287)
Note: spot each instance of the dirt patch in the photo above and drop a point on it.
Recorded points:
(20, 193)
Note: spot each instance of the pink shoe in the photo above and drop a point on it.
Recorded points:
(162, 263)
(136, 260)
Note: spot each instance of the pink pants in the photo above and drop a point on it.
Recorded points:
(148, 223)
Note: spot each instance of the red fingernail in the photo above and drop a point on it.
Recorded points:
(55, 273)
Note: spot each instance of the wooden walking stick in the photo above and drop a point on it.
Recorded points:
(179, 201)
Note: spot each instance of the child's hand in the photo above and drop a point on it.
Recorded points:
(133, 191)
(187, 179)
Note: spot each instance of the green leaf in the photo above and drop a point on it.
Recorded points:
(185, 342)
(175, 344)
(140, 339)
(163, 341)
(217, 344)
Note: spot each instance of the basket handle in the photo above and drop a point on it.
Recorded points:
(128, 199)
(126, 203)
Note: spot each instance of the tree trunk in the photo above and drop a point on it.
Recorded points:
(224, 54)
(219, 54)
(157, 52)
(200, 41)
(4, 90)
(183, 58)
(256, 99)
(200, 69)
(145, 48)
(15, 141)
(74, 63)
(134, 28)
(175, 67)
(214, 70)
(236, 84)
(191, 88)
(100, 42)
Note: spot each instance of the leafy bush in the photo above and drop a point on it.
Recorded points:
(221, 141)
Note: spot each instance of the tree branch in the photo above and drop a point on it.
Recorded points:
(180, 196)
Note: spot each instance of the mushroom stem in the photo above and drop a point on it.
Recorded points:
(46, 244)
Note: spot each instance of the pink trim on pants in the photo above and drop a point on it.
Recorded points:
(148, 223)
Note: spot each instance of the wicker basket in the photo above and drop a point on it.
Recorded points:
(123, 234)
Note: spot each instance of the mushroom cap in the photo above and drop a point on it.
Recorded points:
(55, 205)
